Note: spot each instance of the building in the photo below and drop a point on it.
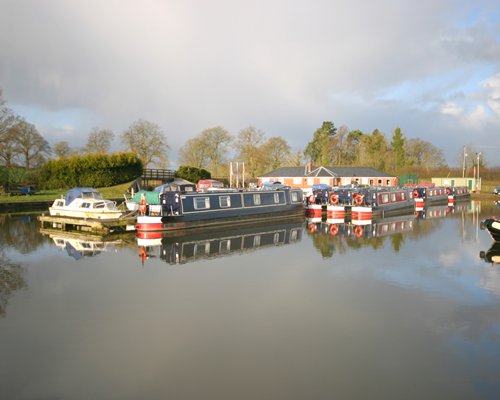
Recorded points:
(305, 177)
(473, 184)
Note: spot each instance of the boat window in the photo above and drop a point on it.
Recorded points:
(256, 199)
(60, 203)
(393, 196)
(85, 205)
(225, 201)
(403, 196)
(295, 196)
(385, 198)
(201, 203)
(225, 246)
(276, 197)
(293, 235)
(256, 241)
(276, 238)
(99, 205)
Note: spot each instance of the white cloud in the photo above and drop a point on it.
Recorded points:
(453, 109)
(492, 87)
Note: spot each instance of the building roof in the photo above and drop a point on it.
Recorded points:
(294, 172)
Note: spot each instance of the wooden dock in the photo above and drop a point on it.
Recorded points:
(104, 226)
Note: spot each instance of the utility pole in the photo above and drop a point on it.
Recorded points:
(463, 165)
(478, 186)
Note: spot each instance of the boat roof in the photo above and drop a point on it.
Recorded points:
(177, 185)
(76, 192)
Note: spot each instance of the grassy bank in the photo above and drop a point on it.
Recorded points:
(114, 192)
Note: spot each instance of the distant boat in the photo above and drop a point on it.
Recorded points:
(382, 202)
(492, 225)
(425, 195)
(84, 202)
(183, 209)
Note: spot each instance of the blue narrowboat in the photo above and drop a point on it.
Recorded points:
(183, 209)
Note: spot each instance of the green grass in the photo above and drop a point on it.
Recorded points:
(113, 192)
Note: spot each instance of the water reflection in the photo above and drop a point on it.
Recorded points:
(202, 244)
(492, 255)
(256, 313)
(78, 245)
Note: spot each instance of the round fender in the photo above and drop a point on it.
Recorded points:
(312, 199)
(415, 193)
(334, 198)
(358, 231)
(358, 199)
(312, 228)
(334, 229)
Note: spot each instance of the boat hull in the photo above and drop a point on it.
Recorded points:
(152, 223)
(68, 212)
(492, 225)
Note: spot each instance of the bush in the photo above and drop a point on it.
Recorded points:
(93, 170)
(192, 174)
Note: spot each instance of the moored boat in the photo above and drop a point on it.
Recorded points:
(457, 193)
(183, 209)
(492, 225)
(425, 195)
(84, 202)
(382, 202)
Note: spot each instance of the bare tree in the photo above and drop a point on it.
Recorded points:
(148, 141)
(62, 149)
(99, 140)
(217, 141)
(7, 136)
(194, 153)
(31, 147)
(247, 144)
(275, 153)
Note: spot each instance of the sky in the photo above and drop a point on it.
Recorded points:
(431, 68)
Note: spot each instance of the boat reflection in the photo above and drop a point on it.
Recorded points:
(209, 244)
(492, 255)
(79, 245)
(361, 228)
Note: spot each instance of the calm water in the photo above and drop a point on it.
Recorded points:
(296, 310)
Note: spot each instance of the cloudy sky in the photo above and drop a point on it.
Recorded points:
(430, 67)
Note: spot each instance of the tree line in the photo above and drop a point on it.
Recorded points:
(212, 149)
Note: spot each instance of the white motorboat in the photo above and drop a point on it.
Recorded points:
(85, 203)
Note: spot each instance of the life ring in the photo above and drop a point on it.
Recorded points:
(142, 206)
(358, 199)
(142, 254)
(448, 191)
(312, 198)
(334, 198)
(415, 193)
(334, 229)
(312, 228)
(358, 231)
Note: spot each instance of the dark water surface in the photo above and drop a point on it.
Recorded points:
(401, 309)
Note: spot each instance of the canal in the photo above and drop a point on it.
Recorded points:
(403, 308)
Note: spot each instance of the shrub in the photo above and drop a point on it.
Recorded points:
(94, 170)
(192, 174)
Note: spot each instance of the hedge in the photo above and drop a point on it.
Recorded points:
(91, 170)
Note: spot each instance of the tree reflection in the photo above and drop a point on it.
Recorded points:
(11, 279)
(20, 232)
